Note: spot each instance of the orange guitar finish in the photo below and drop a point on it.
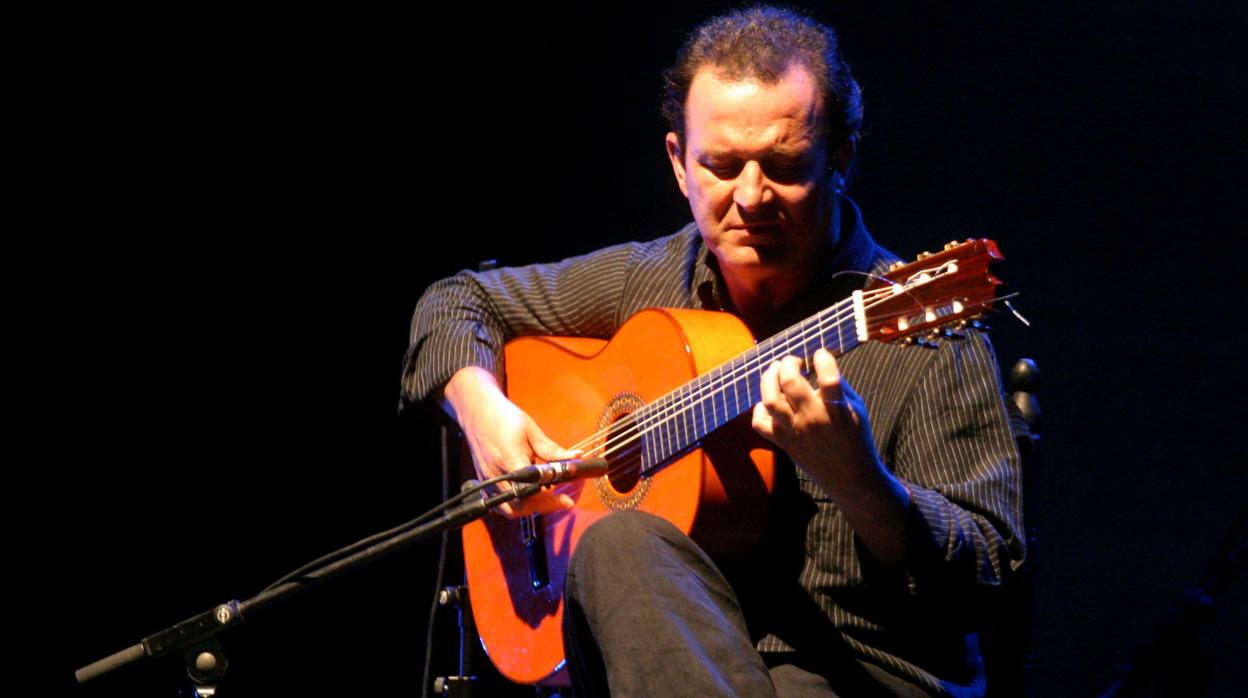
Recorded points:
(571, 386)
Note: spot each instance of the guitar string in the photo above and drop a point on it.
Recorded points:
(716, 381)
(706, 384)
(707, 380)
(675, 407)
(625, 440)
(631, 436)
(628, 437)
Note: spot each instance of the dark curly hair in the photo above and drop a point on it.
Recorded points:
(760, 43)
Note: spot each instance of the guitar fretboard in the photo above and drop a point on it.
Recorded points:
(679, 421)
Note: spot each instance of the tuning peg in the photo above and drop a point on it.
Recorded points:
(896, 265)
(951, 244)
(923, 255)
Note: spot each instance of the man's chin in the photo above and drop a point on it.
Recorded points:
(757, 260)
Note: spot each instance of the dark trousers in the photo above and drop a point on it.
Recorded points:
(649, 614)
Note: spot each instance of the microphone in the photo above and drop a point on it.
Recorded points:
(560, 471)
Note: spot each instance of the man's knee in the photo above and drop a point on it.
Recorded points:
(623, 538)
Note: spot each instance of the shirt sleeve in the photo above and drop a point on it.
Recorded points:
(465, 320)
(957, 455)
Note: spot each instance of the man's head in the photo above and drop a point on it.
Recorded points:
(760, 44)
(764, 125)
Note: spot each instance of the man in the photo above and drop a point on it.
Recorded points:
(903, 501)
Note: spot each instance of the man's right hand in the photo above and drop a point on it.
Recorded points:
(501, 436)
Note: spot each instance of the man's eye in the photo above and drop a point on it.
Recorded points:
(723, 171)
(788, 172)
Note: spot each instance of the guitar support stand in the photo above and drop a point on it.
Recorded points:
(460, 686)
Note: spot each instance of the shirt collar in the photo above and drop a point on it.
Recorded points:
(856, 252)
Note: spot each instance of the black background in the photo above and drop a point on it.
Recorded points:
(232, 215)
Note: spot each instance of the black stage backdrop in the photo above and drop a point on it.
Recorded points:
(231, 216)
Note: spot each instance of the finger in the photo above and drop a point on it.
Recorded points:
(544, 447)
(548, 450)
(768, 385)
(837, 393)
(828, 377)
(777, 406)
(794, 385)
(762, 422)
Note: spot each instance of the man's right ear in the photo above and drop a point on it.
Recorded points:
(677, 157)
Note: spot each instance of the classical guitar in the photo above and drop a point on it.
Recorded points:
(661, 402)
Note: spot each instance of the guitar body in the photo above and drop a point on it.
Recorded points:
(574, 388)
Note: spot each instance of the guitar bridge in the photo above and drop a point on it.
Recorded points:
(533, 536)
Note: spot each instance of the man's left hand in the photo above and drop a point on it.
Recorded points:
(824, 428)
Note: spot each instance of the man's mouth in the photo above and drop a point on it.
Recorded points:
(750, 231)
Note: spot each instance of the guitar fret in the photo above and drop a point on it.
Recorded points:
(669, 430)
(749, 392)
(721, 392)
(663, 445)
(695, 422)
(682, 436)
(675, 413)
(691, 428)
(656, 455)
(708, 399)
(691, 409)
(648, 458)
(704, 428)
(823, 340)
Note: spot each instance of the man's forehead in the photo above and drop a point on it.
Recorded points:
(712, 90)
(721, 110)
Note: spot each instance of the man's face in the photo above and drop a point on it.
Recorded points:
(755, 171)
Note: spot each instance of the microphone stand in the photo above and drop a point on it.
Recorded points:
(196, 637)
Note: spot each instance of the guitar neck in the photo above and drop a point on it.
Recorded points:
(934, 292)
(679, 421)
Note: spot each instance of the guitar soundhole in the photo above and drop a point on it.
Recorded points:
(623, 461)
(623, 487)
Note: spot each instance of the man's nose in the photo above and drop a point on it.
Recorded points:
(752, 190)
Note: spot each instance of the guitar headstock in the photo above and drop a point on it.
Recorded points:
(934, 294)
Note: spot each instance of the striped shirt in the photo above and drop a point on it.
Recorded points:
(937, 418)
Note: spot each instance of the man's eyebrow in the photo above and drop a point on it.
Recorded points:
(789, 155)
(780, 153)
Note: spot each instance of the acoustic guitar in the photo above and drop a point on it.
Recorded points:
(666, 402)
